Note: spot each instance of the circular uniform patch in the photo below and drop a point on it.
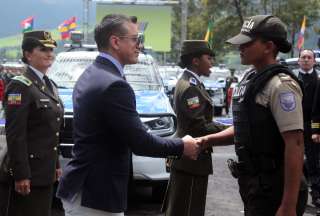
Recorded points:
(287, 101)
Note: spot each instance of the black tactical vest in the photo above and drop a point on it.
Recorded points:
(258, 142)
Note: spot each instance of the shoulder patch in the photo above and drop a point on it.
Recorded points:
(287, 101)
(23, 79)
(14, 99)
(193, 81)
(193, 102)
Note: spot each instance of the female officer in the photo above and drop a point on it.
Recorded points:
(187, 190)
(33, 113)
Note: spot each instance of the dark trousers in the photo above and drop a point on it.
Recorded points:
(262, 194)
(186, 194)
(312, 151)
(37, 203)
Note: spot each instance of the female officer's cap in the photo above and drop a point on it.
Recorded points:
(37, 38)
(196, 47)
(263, 26)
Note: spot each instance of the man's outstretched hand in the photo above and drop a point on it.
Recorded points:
(191, 147)
(203, 142)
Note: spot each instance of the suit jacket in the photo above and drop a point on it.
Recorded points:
(315, 114)
(106, 128)
(194, 109)
(33, 118)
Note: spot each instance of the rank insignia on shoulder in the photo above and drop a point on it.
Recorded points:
(193, 102)
(14, 99)
(193, 81)
(23, 79)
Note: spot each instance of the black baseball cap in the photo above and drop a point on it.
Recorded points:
(263, 26)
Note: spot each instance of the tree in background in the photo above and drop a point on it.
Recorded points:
(292, 12)
(228, 17)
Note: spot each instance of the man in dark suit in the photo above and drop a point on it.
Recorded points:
(107, 127)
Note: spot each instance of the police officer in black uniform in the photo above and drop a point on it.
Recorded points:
(268, 124)
(33, 114)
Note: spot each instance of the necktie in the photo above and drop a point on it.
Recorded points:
(48, 83)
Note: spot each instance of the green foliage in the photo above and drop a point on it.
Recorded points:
(227, 18)
(10, 41)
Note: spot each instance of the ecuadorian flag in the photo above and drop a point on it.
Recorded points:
(301, 34)
(209, 34)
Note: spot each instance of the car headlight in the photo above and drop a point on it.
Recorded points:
(162, 126)
(215, 92)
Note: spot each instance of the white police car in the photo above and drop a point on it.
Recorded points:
(152, 104)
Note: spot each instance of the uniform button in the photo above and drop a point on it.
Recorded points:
(55, 148)
(31, 156)
(58, 119)
(57, 134)
(58, 105)
(45, 105)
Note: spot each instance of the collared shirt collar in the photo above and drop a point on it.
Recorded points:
(195, 75)
(38, 73)
(306, 72)
(114, 61)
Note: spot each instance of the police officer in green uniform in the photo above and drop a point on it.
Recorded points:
(33, 114)
(187, 189)
(267, 124)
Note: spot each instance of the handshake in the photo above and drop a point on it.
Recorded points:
(193, 146)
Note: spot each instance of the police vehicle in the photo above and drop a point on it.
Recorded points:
(215, 85)
(152, 104)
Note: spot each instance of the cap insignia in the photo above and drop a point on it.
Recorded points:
(247, 25)
(47, 35)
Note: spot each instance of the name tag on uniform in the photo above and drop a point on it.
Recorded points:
(14, 99)
(44, 100)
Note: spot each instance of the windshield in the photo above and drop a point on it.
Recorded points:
(169, 72)
(141, 76)
(65, 72)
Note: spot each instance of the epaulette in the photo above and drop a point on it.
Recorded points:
(23, 79)
(193, 81)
